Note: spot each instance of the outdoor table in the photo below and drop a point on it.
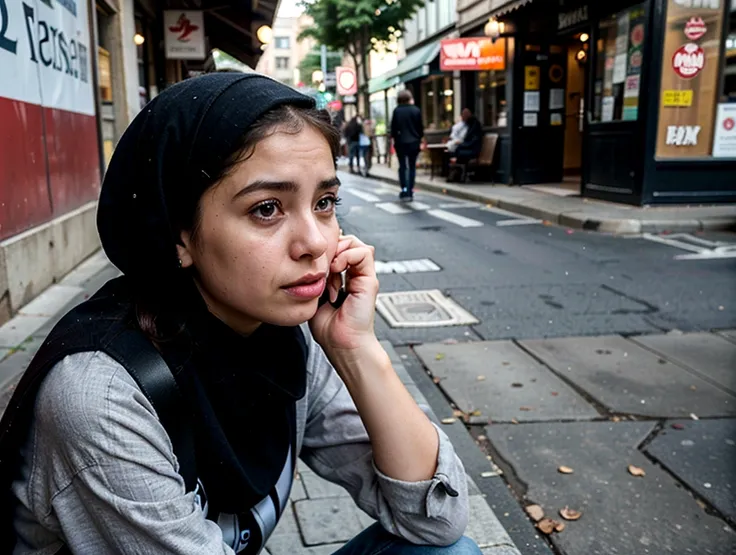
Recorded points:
(436, 152)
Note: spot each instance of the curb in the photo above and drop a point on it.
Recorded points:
(576, 219)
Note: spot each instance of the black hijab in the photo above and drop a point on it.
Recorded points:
(242, 391)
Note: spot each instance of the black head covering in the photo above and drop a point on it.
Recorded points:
(167, 157)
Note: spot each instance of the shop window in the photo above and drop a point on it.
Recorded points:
(619, 61)
(429, 101)
(490, 94)
(729, 69)
(438, 102)
(282, 62)
(696, 119)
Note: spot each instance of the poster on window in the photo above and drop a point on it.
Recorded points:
(689, 80)
(724, 141)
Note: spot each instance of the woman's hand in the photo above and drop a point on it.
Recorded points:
(345, 331)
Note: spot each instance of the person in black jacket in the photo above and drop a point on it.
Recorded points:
(471, 145)
(353, 131)
(407, 131)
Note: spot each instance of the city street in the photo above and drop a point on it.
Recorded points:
(594, 359)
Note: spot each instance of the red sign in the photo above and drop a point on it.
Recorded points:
(335, 105)
(472, 53)
(347, 82)
(688, 60)
(729, 124)
(695, 28)
(637, 35)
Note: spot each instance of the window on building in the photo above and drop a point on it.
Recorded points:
(438, 102)
(729, 72)
(281, 42)
(282, 62)
(490, 94)
(619, 62)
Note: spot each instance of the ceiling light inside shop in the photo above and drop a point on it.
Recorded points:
(449, 92)
(139, 39)
(581, 55)
(584, 37)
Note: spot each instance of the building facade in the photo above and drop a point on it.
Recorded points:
(285, 52)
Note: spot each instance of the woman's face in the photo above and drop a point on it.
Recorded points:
(268, 233)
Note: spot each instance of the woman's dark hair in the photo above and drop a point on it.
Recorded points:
(152, 314)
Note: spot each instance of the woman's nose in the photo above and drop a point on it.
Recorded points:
(309, 238)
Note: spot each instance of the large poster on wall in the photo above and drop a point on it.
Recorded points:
(689, 81)
(49, 153)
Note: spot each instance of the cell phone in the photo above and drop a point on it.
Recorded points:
(342, 294)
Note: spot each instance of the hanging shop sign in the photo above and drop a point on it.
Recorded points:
(572, 18)
(472, 54)
(689, 82)
(347, 81)
(688, 60)
(184, 34)
(695, 28)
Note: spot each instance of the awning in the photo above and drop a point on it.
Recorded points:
(416, 64)
(381, 83)
(509, 7)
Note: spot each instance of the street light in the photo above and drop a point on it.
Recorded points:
(264, 34)
(139, 39)
(494, 29)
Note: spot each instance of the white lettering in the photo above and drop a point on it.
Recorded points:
(682, 135)
(700, 4)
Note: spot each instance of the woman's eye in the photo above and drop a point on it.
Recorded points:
(266, 210)
(327, 203)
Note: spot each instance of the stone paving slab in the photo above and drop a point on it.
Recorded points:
(622, 514)
(728, 334)
(706, 353)
(515, 385)
(331, 520)
(484, 528)
(703, 456)
(51, 301)
(629, 379)
(318, 488)
(17, 330)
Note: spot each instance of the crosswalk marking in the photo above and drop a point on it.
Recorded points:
(461, 221)
(406, 266)
(506, 223)
(419, 206)
(392, 208)
(368, 197)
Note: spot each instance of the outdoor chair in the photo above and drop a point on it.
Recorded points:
(484, 162)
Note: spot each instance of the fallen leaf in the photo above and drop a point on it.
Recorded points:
(565, 470)
(616, 419)
(505, 363)
(488, 474)
(570, 514)
(678, 426)
(693, 388)
(514, 421)
(480, 378)
(439, 356)
(476, 412)
(450, 341)
(526, 409)
(559, 526)
(694, 416)
(482, 437)
(517, 384)
(458, 413)
(436, 380)
(554, 393)
(449, 420)
(535, 512)
(636, 471)
(546, 525)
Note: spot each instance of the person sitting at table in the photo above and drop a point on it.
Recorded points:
(471, 145)
(457, 135)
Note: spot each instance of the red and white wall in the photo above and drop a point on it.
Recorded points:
(49, 155)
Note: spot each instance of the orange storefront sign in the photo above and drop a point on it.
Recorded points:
(472, 53)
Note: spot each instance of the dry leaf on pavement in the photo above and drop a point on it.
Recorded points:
(476, 412)
(565, 470)
(514, 421)
(636, 471)
(436, 380)
(570, 514)
(535, 512)
(547, 525)
(449, 420)
(678, 426)
(439, 356)
(482, 437)
(525, 409)
(480, 378)
(458, 413)
(559, 526)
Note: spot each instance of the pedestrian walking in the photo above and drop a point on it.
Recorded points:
(353, 130)
(218, 207)
(407, 131)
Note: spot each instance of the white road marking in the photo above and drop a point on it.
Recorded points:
(406, 266)
(368, 197)
(506, 223)
(392, 208)
(418, 206)
(451, 205)
(454, 218)
(700, 249)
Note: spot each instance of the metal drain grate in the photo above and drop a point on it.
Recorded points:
(422, 309)
(406, 266)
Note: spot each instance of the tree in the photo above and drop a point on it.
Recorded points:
(313, 61)
(357, 26)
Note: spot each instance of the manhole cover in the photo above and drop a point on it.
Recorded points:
(406, 266)
(422, 309)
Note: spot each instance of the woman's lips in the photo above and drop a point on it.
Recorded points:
(307, 290)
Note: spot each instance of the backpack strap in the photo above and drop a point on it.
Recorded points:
(132, 349)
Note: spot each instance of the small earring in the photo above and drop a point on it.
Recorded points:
(180, 264)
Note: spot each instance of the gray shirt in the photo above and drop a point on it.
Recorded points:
(99, 472)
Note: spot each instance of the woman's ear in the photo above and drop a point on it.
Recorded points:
(184, 250)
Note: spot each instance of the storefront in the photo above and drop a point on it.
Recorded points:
(627, 101)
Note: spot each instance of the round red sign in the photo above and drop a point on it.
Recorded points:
(688, 60)
(695, 28)
(637, 35)
(729, 124)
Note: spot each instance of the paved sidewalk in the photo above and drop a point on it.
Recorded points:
(576, 212)
(321, 516)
